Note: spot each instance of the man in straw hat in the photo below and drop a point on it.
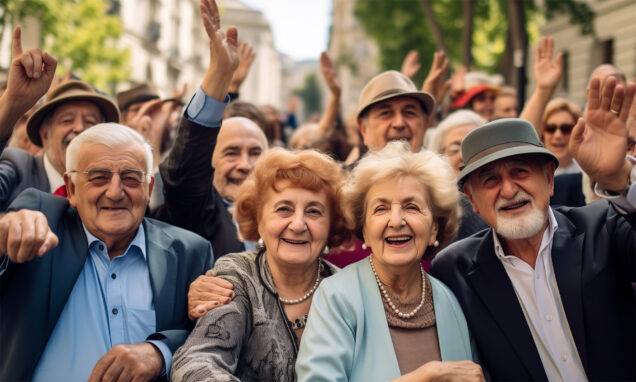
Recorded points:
(547, 293)
(70, 109)
(391, 108)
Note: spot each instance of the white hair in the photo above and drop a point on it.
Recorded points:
(463, 117)
(111, 135)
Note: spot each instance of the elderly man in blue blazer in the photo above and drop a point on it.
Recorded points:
(89, 288)
(547, 292)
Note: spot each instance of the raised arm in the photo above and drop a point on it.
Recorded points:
(30, 76)
(599, 141)
(547, 74)
(24, 235)
(245, 59)
(328, 119)
(436, 83)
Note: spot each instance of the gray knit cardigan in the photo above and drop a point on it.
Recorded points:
(248, 339)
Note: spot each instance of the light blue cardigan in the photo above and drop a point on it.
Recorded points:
(347, 336)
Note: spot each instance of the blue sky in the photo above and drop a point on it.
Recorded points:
(300, 27)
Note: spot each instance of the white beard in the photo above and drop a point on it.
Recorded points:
(523, 226)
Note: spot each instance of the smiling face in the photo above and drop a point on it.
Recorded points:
(398, 223)
(556, 135)
(512, 195)
(66, 122)
(484, 104)
(399, 118)
(112, 211)
(294, 225)
(239, 144)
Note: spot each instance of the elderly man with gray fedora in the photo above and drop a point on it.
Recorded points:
(547, 292)
(70, 108)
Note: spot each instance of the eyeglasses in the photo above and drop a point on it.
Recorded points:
(452, 149)
(130, 178)
(565, 128)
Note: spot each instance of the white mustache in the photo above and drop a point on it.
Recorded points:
(521, 196)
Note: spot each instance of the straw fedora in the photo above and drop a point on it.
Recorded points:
(391, 84)
(67, 92)
(138, 93)
(499, 139)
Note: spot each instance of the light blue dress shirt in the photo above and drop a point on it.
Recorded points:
(110, 304)
(205, 110)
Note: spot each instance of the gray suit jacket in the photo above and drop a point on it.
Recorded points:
(33, 294)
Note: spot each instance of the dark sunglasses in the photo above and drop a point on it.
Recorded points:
(565, 128)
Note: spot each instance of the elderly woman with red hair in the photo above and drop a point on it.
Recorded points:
(291, 205)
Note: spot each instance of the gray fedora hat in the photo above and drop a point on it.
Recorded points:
(391, 84)
(499, 139)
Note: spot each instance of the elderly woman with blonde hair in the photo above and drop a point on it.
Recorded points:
(383, 317)
(290, 203)
(559, 119)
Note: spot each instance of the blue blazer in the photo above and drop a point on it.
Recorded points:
(347, 335)
(20, 170)
(33, 294)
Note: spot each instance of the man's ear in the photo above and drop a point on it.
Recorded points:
(70, 190)
(151, 186)
(362, 126)
(550, 168)
(469, 195)
(43, 135)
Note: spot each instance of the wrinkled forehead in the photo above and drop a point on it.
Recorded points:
(530, 162)
(119, 157)
(83, 107)
(242, 132)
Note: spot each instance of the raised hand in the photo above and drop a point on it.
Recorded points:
(599, 141)
(223, 52)
(30, 76)
(411, 64)
(458, 80)
(547, 72)
(24, 235)
(435, 83)
(329, 73)
(245, 58)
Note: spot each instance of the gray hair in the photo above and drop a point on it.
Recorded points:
(109, 134)
(458, 118)
(396, 160)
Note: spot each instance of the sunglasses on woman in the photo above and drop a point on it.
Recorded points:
(565, 128)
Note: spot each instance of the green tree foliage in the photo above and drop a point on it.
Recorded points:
(80, 34)
(398, 26)
(310, 94)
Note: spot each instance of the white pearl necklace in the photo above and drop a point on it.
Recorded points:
(308, 294)
(388, 299)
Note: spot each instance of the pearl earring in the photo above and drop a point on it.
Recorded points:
(436, 244)
(325, 250)
(260, 242)
(364, 245)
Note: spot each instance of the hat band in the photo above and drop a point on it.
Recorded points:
(389, 92)
(494, 149)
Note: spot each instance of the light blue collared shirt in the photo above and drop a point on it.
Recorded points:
(110, 304)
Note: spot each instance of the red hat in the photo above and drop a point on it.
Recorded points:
(471, 93)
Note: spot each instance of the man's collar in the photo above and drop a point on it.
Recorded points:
(55, 178)
(139, 240)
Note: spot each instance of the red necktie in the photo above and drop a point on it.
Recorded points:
(61, 191)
